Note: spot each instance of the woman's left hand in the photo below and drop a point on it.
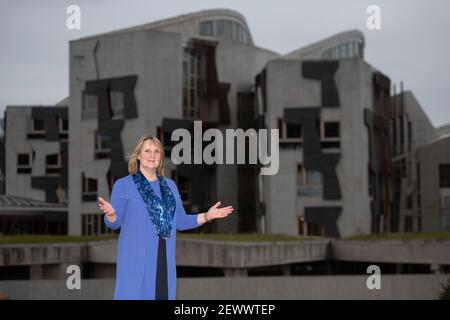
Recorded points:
(216, 213)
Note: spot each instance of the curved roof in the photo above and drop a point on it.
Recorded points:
(327, 43)
(182, 18)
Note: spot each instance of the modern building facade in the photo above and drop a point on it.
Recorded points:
(353, 153)
(153, 79)
(36, 170)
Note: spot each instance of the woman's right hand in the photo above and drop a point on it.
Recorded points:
(107, 209)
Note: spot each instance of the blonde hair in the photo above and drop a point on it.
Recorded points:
(133, 161)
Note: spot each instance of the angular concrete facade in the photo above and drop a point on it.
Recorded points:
(349, 161)
(154, 60)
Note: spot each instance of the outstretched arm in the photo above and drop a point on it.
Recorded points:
(114, 211)
(214, 213)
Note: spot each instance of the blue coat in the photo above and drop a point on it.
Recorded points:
(138, 241)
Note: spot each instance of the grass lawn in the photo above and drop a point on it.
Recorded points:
(79, 239)
(224, 237)
(51, 239)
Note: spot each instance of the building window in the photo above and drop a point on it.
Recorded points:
(63, 125)
(116, 105)
(23, 163)
(88, 189)
(315, 229)
(194, 82)
(38, 126)
(53, 164)
(93, 224)
(224, 29)
(309, 182)
(206, 28)
(102, 145)
(444, 175)
(289, 131)
(329, 132)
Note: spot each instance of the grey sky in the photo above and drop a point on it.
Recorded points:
(413, 44)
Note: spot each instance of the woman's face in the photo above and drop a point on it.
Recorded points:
(150, 156)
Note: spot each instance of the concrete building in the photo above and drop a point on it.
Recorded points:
(433, 194)
(35, 199)
(325, 110)
(350, 147)
(152, 79)
(410, 130)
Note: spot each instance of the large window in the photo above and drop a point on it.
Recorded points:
(206, 28)
(53, 164)
(330, 135)
(224, 29)
(444, 175)
(289, 130)
(352, 49)
(309, 182)
(331, 130)
(23, 163)
(315, 229)
(38, 125)
(93, 224)
(194, 82)
(88, 188)
(102, 145)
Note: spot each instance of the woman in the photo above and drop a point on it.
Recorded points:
(147, 208)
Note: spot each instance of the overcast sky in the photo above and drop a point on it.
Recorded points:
(413, 45)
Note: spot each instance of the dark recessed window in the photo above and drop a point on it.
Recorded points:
(23, 159)
(444, 175)
(88, 188)
(331, 130)
(23, 163)
(64, 125)
(52, 160)
(38, 125)
(315, 229)
(293, 130)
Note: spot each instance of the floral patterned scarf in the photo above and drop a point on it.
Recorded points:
(161, 210)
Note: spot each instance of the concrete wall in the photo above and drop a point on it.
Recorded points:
(18, 125)
(156, 59)
(430, 157)
(226, 254)
(287, 88)
(258, 288)
(237, 64)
